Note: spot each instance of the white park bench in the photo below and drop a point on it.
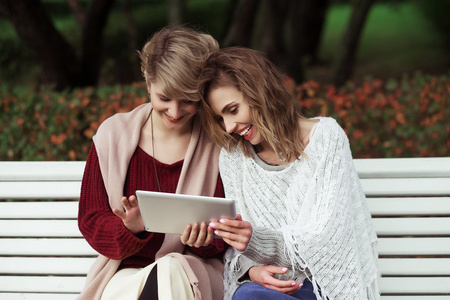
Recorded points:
(44, 256)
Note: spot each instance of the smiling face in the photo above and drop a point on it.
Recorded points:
(234, 113)
(173, 113)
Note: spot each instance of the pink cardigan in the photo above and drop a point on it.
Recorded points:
(115, 141)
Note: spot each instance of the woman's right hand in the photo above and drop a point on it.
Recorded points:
(131, 217)
(263, 275)
(197, 236)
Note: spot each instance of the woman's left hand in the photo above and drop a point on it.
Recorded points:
(197, 236)
(235, 233)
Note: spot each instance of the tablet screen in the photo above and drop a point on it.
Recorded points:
(170, 213)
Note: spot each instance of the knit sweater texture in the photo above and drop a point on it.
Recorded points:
(311, 217)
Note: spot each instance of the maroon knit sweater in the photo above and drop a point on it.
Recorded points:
(106, 233)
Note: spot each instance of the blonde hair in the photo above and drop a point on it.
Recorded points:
(173, 58)
(273, 110)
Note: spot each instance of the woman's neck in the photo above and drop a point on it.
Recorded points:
(165, 144)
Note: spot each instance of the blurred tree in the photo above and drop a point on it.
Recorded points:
(346, 53)
(306, 27)
(273, 42)
(57, 58)
(289, 31)
(306, 22)
(176, 12)
(240, 29)
(77, 10)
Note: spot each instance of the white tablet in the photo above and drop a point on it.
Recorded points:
(170, 213)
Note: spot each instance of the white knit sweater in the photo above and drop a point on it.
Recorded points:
(311, 216)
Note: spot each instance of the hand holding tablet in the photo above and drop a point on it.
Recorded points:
(170, 213)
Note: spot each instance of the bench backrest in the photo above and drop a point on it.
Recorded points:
(44, 256)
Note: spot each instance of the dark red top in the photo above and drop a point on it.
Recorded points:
(106, 233)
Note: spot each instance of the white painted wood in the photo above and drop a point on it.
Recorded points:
(412, 226)
(37, 296)
(394, 187)
(409, 206)
(45, 265)
(40, 190)
(39, 210)
(39, 228)
(414, 266)
(415, 285)
(45, 284)
(403, 167)
(41, 170)
(45, 247)
(406, 186)
(414, 246)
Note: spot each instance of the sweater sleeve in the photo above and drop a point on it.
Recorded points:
(103, 230)
(331, 197)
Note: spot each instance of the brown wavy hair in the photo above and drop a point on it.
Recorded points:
(174, 57)
(272, 108)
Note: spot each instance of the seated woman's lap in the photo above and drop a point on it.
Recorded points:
(250, 290)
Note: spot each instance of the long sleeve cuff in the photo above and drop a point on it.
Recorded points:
(266, 246)
(245, 264)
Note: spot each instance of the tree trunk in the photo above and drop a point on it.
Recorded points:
(78, 11)
(241, 28)
(92, 42)
(176, 12)
(34, 27)
(273, 42)
(307, 20)
(345, 58)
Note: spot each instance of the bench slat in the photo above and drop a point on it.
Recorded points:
(80, 266)
(39, 210)
(413, 246)
(46, 247)
(415, 285)
(45, 265)
(39, 228)
(40, 190)
(402, 167)
(69, 228)
(409, 206)
(390, 187)
(412, 226)
(406, 186)
(37, 296)
(394, 187)
(41, 170)
(414, 266)
(44, 284)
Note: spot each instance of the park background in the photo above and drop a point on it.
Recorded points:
(381, 68)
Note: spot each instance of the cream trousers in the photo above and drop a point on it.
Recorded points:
(173, 283)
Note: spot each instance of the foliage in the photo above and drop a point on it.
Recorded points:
(404, 118)
(49, 125)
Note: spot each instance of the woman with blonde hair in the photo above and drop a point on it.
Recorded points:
(159, 146)
(303, 229)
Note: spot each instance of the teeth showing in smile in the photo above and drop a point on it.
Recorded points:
(169, 117)
(245, 131)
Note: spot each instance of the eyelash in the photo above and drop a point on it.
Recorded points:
(234, 110)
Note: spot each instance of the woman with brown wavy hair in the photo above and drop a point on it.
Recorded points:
(303, 229)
